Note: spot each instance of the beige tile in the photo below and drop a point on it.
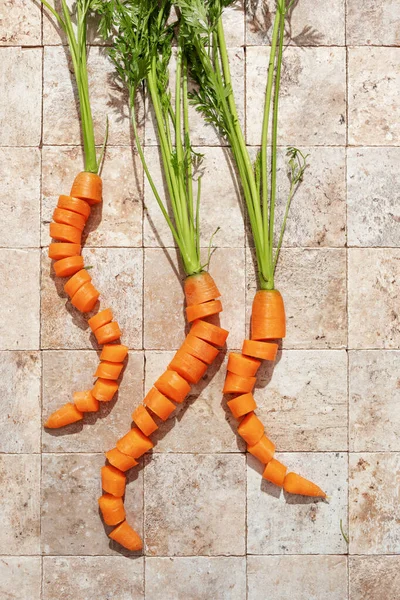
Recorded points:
(299, 577)
(88, 577)
(19, 516)
(373, 23)
(186, 505)
(20, 578)
(308, 24)
(20, 23)
(233, 18)
(196, 578)
(20, 197)
(279, 523)
(117, 221)
(52, 35)
(374, 577)
(20, 380)
(71, 522)
(98, 431)
(374, 113)
(301, 91)
(117, 274)
(374, 483)
(373, 215)
(303, 400)
(19, 303)
(373, 317)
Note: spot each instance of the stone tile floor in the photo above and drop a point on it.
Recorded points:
(213, 529)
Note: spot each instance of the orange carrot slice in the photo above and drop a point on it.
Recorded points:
(199, 311)
(60, 250)
(76, 282)
(263, 350)
(65, 233)
(113, 481)
(275, 472)
(109, 370)
(65, 415)
(268, 320)
(142, 418)
(190, 368)
(264, 450)
(159, 404)
(85, 298)
(242, 405)
(121, 461)
(200, 349)
(173, 386)
(108, 333)
(87, 186)
(75, 204)
(235, 384)
(209, 332)
(68, 266)
(85, 401)
(245, 366)
(134, 443)
(200, 288)
(251, 429)
(102, 318)
(126, 537)
(114, 352)
(112, 509)
(294, 484)
(67, 217)
(104, 389)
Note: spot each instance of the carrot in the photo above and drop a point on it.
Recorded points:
(264, 450)
(104, 389)
(134, 443)
(121, 461)
(76, 282)
(245, 366)
(67, 217)
(275, 472)
(235, 384)
(75, 205)
(114, 352)
(173, 386)
(85, 298)
(200, 288)
(142, 418)
(209, 332)
(108, 333)
(86, 402)
(68, 266)
(102, 318)
(268, 320)
(126, 536)
(108, 370)
(113, 481)
(200, 349)
(251, 429)
(199, 311)
(65, 415)
(294, 484)
(87, 186)
(112, 509)
(263, 350)
(189, 367)
(242, 405)
(58, 251)
(159, 404)
(65, 233)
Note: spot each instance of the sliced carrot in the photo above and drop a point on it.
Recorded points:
(108, 370)
(200, 311)
(173, 386)
(159, 404)
(235, 384)
(142, 418)
(60, 250)
(76, 282)
(200, 349)
(112, 509)
(251, 429)
(114, 352)
(263, 350)
(295, 484)
(268, 320)
(86, 402)
(245, 366)
(113, 481)
(65, 233)
(65, 415)
(75, 204)
(102, 318)
(134, 443)
(108, 333)
(200, 288)
(85, 298)
(275, 472)
(104, 389)
(209, 332)
(67, 217)
(190, 368)
(121, 461)
(68, 266)
(242, 405)
(264, 450)
(87, 186)
(127, 537)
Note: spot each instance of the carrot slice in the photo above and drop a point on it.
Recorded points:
(199, 311)
(67, 217)
(263, 350)
(245, 366)
(200, 288)
(209, 332)
(114, 352)
(159, 404)
(242, 405)
(102, 318)
(200, 349)
(173, 386)
(113, 481)
(108, 333)
(264, 450)
(109, 370)
(68, 266)
(58, 251)
(104, 389)
(65, 233)
(190, 368)
(85, 298)
(268, 320)
(85, 401)
(76, 282)
(295, 484)
(275, 472)
(87, 186)
(251, 429)
(126, 537)
(142, 418)
(235, 384)
(75, 204)
(65, 415)
(121, 461)
(112, 509)
(134, 443)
